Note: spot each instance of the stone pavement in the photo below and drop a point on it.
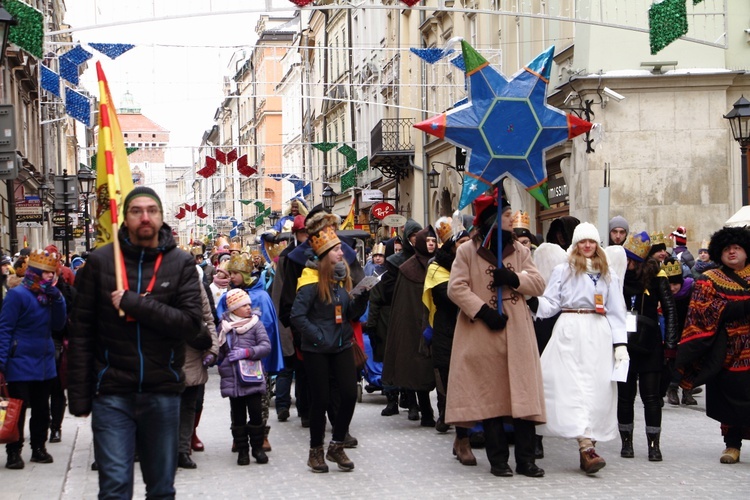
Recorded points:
(396, 459)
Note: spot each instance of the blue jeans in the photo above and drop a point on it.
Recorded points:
(147, 422)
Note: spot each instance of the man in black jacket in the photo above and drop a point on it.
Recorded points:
(127, 348)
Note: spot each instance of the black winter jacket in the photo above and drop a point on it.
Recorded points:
(144, 351)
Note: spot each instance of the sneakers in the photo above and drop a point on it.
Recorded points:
(337, 454)
(591, 463)
(315, 460)
(728, 456)
(41, 456)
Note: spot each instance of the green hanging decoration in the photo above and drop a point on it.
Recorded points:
(362, 164)
(324, 146)
(667, 21)
(349, 153)
(696, 2)
(29, 32)
(246, 202)
(349, 180)
(129, 151)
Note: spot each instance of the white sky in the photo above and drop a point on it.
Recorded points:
(178, 86)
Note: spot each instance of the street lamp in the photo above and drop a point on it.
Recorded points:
(6, 21)
(459, 170)
(329, 197)
(739, 121)
(87, 183)
(274, 218)
(374, 225)
(434, 177)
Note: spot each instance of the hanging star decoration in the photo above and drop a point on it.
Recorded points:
(506, 125)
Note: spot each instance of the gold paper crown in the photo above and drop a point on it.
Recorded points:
(672, 269)
(43, 260)
(324, 240)
(221, 244)
(704, 244)
(223, 266)
(235, 246)
(443, 229)
(274, 249)
(635, 245)
(521, 220)
(657, 238)
(378, 249)
(240, 264)
(196, 251)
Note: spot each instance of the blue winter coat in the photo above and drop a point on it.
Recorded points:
(257, 341)
(27, 352)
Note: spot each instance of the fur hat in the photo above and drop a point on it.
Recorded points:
(637, 246)
(585, 231)
(141, 191)
(728, 236)
(236, 298)
(680, 236)
(322, 230)
(619, 221)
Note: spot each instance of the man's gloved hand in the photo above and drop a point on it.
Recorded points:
(54, 293)
(209, 359)
(238, 353)
(427, 334)
(494, 320)
(502, 276)
(621, 354)
(533, 304)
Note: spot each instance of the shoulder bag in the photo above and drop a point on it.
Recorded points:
(10, 411)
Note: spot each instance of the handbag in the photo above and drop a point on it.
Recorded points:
(10, 412)
(250, 371)
(359, 356)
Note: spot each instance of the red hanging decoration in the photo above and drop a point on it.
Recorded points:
(247, 171)
(221, 157)
(209, 169)
(242, 161)
(200, 213)
(232, 156)
(410, 3)
(181, 214)
(193, 207)
(301, 3)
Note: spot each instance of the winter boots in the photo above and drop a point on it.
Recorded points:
(626, 435)
(14, 460)
(239, 433)
(40, 456)
(337, 454)
(195, 443)
(728, 456)
(591, 462)
(256, 433)
(539, 447)
(687, 397)
(672, 397)
(316, 461)
(654, 453)
(266, 444)
(392, 407)
(462, 451)
(425, 406)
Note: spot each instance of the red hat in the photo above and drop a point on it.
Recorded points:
(299, 223)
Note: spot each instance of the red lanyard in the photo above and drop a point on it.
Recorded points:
(151, 284)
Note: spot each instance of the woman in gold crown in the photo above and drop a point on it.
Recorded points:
(645, 289)
(27, 353)
(322, 313)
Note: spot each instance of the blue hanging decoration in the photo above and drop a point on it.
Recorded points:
(112, 50)
(70, 61)
(50, 81)
(431, 55)
(458, 62)
(78, 106)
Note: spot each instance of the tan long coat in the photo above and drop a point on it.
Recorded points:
(494, 374)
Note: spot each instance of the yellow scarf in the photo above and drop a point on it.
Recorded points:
(436, 275)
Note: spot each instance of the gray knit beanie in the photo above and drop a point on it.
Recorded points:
(619, 221)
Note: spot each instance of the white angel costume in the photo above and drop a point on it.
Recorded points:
(577, 364)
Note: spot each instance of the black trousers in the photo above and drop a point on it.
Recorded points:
(324, 372)
(247, 410)
(496, 442)
(443, 372)
(35, 396)
(648, 386)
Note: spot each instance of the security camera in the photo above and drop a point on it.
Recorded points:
(612, 94)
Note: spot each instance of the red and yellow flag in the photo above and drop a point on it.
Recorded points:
(113, 178)
(25, 242)
(349, 222)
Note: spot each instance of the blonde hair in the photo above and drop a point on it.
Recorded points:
(598, 261)
(326, 279)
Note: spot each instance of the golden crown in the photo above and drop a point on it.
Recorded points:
(704, 244)
(324, 240)
(443, 229)
(378, 249)
(521, 220)
(43, 260)
(274, 249)
(239, 263)
(635, 245)
(235, 246)
(657, 238)
(196, 251)
(672, 269)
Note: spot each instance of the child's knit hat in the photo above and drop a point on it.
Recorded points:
(237, 298)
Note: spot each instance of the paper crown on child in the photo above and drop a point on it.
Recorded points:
(521, 220)
(704, 245)
(237, 298)
(443, 229)
(240, 263)
(672, 268)
(378, 249)
(235, 247)
(43, 260)
(657, 238)
(637, 246)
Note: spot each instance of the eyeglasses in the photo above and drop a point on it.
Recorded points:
(138, 212)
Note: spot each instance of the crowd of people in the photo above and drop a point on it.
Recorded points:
(521, 336)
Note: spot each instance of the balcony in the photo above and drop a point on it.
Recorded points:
(392, 147)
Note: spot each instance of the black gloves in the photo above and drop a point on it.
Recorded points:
(533, 304)
(502, 276)
(493, 319)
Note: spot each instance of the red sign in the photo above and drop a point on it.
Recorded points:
(380, 210)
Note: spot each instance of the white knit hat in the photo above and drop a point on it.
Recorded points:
(585, 231)
(236, 298)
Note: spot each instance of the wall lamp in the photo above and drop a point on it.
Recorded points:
(434, 174)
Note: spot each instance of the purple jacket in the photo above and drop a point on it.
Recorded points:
(257, 341)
